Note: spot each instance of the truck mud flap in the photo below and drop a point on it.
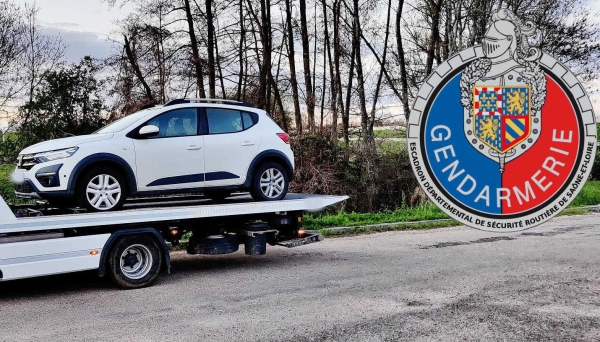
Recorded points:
(308, 238)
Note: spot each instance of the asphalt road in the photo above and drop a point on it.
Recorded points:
(444, 284)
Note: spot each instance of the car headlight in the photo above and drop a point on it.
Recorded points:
(55, 155)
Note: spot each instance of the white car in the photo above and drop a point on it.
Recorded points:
(188, 145)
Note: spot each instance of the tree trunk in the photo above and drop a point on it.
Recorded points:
(434, 12)
(292, 61)
(333, 100)
(346, 117)
(359, 72)
(382, 71)
(263, 101)
(323, 87)
(337, 50)
(402, 61)
(447, 33)
(137, 71)
(211, 50)
(195, 54)
(241, 52)
(310, 97)
(221, 81)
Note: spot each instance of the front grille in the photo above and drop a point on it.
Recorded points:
(24, 188)
(26, 162)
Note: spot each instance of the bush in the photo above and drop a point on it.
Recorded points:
(375, 180)
(9, 148)
(595, 174)
(7, 190)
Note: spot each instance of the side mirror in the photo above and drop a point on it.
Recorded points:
(149, 131)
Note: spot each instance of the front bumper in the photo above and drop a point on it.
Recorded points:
(41, 183)
(26, 190)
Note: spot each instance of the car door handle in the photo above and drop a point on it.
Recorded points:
(193, 147)
(247, 143)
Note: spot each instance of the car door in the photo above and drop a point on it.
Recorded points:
(174, 158)
(231, 144)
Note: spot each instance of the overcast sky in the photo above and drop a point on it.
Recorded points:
(86, 26)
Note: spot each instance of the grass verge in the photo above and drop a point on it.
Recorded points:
(408, 218)
(589, 195)
(424, 212)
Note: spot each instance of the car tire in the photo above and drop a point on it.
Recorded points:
(102, 189)
(135, 261)
(217, 195)
(269, 183)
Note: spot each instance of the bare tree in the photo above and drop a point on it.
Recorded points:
(12, 47)
(194, 46)
(292, 61)
(310, 96)
(41, 53)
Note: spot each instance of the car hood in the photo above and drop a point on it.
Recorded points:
(58, 144)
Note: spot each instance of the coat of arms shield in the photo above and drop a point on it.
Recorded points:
(502, 116)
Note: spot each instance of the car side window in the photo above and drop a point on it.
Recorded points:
(249, 119)
(176, 123)
(224, 121)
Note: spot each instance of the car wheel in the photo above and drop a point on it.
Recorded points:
(217, 195)
(102, 189)
(269, 182)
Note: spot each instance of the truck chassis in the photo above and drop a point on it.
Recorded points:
(132, 246)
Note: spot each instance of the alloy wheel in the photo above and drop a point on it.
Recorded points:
(103, 192)
(272, 183)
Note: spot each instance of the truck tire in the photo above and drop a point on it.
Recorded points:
(135, 261)
(269, 183)
(102, 188)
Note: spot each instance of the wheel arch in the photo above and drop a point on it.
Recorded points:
(103, 159)
(269, 156)
(128, 232)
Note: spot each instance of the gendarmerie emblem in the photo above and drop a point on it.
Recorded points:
(502, 136)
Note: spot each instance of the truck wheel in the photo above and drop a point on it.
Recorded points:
(269, 182)
(135, 261)
(102, 189)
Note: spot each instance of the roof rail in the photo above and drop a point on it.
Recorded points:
(223, 101)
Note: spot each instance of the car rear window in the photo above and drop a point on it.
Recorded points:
(250, 119)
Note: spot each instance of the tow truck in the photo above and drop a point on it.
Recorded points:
(131, 246)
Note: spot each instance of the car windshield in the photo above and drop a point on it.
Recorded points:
(123, 123)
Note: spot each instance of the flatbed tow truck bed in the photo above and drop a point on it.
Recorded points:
(131, 245)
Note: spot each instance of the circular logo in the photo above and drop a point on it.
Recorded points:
(502, 136)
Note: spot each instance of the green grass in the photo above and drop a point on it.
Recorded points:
(342, 219)
(390, 133)
(391, 147)
(387, 228)
(589, 195)
(573, 211)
